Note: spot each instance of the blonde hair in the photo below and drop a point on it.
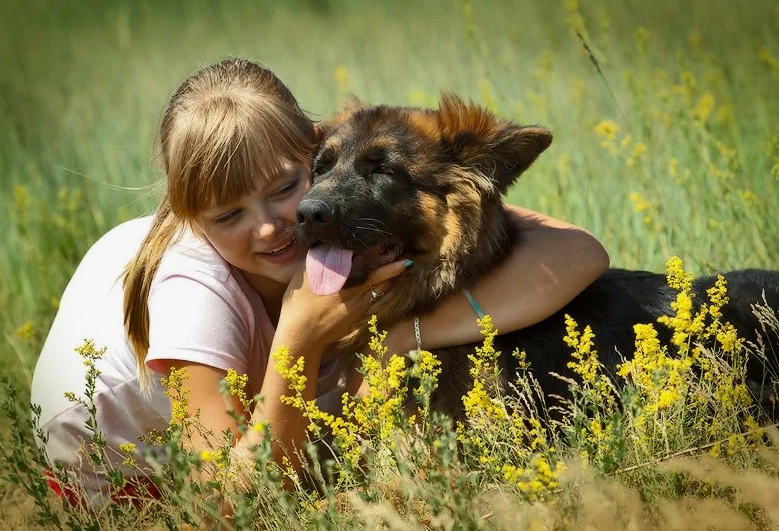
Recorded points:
(226, 130)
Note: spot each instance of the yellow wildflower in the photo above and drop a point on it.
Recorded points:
(179, 395)
(607, 129)
(342, 78)
(128, 449)
(237, 387)
(677, 278)
(25, 332)
(642, 37)
(748, 197)
(673, 167)
(705, 105)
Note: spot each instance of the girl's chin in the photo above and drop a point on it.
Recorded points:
(282, 273)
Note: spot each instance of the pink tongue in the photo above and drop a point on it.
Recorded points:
(328, 268)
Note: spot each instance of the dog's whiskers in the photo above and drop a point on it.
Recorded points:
(374, 229)
(372, 221)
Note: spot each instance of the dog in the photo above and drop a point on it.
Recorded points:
(392, 182)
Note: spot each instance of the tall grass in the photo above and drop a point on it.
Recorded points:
(665, 123)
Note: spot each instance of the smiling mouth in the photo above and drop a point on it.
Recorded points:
(279, 250)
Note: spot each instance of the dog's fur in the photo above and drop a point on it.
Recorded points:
(428, 184)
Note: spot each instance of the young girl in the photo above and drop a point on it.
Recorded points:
(216, 280)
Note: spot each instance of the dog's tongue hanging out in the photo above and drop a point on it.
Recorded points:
(328, 268)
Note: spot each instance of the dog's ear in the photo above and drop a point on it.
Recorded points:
(476, 139)
(351, 106)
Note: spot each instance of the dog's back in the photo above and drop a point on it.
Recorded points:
(611, 306)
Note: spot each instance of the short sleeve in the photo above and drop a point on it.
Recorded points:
(191, 321)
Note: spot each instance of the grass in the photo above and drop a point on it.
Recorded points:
(673, 150)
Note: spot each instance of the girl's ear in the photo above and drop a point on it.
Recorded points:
(318, 133)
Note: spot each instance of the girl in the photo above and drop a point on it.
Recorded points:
(216, 280)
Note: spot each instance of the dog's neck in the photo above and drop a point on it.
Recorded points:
(466, 264)
(424, 286)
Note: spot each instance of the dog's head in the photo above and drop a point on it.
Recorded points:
(393, 182)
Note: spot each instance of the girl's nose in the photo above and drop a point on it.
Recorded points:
(265, 228)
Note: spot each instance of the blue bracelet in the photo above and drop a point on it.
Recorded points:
(474, 304)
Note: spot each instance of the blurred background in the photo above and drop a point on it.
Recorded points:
(665, 115)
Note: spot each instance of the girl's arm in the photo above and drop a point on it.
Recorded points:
(553, 263)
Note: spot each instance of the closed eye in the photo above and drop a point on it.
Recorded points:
(322, 166)
(324, 162)
(385, 170)
(286, 189)
(224, 218)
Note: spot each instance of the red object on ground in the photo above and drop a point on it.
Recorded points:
(136, 491)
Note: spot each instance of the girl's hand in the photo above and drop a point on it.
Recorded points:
(327, 318)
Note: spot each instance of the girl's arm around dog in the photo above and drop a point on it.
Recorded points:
(554, 262)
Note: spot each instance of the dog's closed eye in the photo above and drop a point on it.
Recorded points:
(324, 163)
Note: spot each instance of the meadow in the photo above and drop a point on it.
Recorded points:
(666, 144)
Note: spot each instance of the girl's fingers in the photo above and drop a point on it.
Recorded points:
(388, 271)
(381, 290)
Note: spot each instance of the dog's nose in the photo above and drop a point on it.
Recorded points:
(317, 213)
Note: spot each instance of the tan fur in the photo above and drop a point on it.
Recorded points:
(456, 116)
(425, 123)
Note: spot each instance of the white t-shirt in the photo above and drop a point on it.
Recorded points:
(201, 309)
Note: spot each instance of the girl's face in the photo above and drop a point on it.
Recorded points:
(256, 234)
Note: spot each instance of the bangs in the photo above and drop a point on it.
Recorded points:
(232, 145)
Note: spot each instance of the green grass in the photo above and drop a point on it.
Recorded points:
(84, 84)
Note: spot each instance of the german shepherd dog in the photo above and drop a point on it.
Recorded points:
(392, 182)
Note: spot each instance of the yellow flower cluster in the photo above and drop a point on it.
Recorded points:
(179, 395)
(703, 109)
(377, 418)
(379, 413)
(537, 480)
(89, 352)
(292, 372)
(128, 449)
(648, 209)
(341, 76)
(236, 385)
(492, 426)
(25, 332)
(608, 129)
(217, 456)
(661, 380)
(695, 381)
(632, 151)
(426, 369)
(482, 404)
(585, 361)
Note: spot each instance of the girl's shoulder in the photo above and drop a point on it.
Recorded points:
(194, 259)
(192, 255)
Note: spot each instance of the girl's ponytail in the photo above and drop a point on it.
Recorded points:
(139, 275)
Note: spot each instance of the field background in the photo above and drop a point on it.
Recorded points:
(692, 170)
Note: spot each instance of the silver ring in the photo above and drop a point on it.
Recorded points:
(374, 295)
